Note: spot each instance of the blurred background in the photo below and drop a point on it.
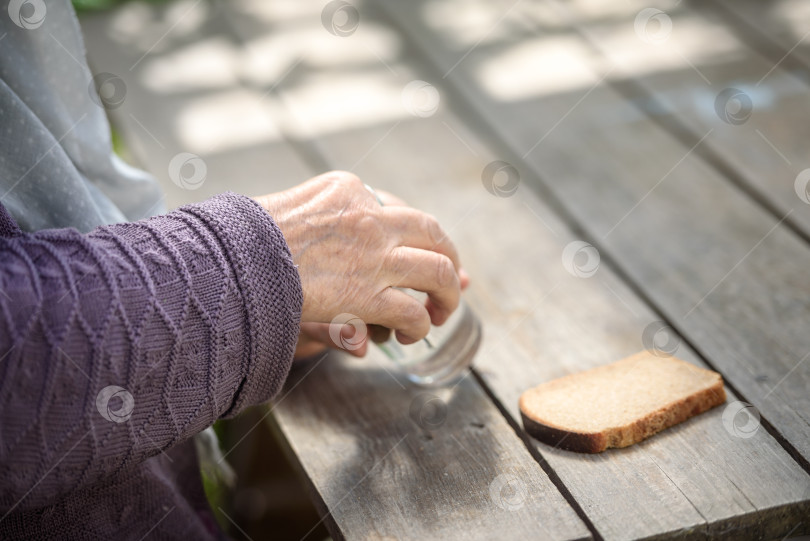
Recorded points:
(255, 96)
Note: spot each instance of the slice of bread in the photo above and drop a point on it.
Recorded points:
(618, 404)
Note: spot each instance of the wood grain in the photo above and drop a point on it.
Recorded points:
(601, 159)
(752, 146)
(469, 478)
(385, 459)
(393, 461)
(540, 323)
(703, 76)
(349, 422)
(780, 23)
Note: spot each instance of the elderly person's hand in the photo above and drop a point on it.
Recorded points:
(351, 253)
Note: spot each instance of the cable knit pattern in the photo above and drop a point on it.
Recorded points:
(194, 314)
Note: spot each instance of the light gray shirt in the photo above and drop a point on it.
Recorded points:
(57, 168)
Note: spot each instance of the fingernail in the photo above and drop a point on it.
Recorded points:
(405, 339)
(463, 278)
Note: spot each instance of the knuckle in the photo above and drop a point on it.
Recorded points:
(343, 177)
(433, 229)
(445, 272)
(395, 261)
(415, 315)
(377, 305)
(367, 226)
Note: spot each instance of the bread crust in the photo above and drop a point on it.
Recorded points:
(563, 439)
(622, 436)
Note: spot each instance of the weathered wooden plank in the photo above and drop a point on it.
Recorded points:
(783, 23)
(182, 93)
(702, 75)
(639, 189)
(780, 31)
(601, 159)
(540, 322)
(763, 142)
(590, 331)
(466, 472)
(393, 461)
(468, 477)
(586, 326)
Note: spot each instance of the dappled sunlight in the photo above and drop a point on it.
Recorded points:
(226, 120)
(464, 24)
(794, 15)
(327, 82)
(661, 138)
(693, 40)
(512, 51)
(331, 103)
(335, 83)
(277, 11)
(134, 24)
(267, 57)
(147, 28)
(624, 11)
(537, 67)
(204, 64)
(531, 50)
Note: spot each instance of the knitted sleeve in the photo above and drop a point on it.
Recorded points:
(118, 344)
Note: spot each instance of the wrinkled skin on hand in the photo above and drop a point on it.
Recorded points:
(351, 253)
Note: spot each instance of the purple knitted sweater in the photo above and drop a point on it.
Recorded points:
(117, 346)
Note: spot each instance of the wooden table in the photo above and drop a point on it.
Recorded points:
(617, 119)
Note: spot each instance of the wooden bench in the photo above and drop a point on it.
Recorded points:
(616, 132)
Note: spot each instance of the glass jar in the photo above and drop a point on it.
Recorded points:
(443, 355)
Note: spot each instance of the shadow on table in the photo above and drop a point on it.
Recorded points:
(404, 452)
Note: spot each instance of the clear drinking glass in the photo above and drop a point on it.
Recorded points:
(444, 354)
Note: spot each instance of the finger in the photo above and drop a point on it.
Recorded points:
(431, 273)
(379, 334)
(351, 339)
(307, 347)
(342, 337)
(401, 312)
(420, 230)
(464, 278)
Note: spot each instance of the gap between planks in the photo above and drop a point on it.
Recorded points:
(465, 108)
